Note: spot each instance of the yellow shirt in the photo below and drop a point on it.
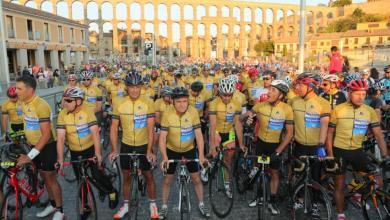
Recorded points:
(208, 85)
(224, 113)
(148, 92)
(35, 111)
(77, 126)
(133, 116)
(198, 102)
(13, 110)
(254, 88)
(95, 81)
(352, 124)
(107, 83)
(272, 120)
(161, 106)
(240, 98)
(178, 83)
(180, 129)
(92, 95)
(156, 84)
(307, 116)
(190, 79)
(118, 93)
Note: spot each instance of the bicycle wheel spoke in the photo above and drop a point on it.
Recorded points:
(86, 203)
(221, 190)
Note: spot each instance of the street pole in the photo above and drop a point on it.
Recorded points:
(154, 50)
(4, 72)
(302, 37)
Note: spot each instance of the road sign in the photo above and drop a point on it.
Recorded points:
(148, 45)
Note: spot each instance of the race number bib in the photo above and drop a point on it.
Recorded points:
(312, 120)
(199, 104)
(120, 93)
(209, 86)
(91, 99)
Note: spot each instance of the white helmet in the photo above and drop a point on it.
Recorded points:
(323, 75)
(226, 86)
(281, 85)
(331, 77)
(233, 78)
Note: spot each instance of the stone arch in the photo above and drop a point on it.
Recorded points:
(279, 15)
(291, 31)
(213, 30)
(175, 12)
(237, 13)
(163, 29)
(258, 16)
(92, 11)
(270, 31)
(201, 29)
(149, 12)
(225, 11)
(47, 6)
(107, 11)
(200, 12)
(77, 10)
(31, 4)
(122, 35)
(247, 15)
(107, 27)
(162, 12)
(135, 26)
(93, 27)
(188, 30)
(188, 12)
(236, 30)
(135, 11)
(62, 9)
(290, 16)
(269, 16)
(121, 11)
(213, 11)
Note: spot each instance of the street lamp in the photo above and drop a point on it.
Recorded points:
(302, 36)
(4, 72)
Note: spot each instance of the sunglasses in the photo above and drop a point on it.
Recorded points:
(325, 84)
(227, 95)
(266, 78)
(86, 80)
(69, 100)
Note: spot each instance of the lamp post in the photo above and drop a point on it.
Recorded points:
(4, 72)
(302, 36)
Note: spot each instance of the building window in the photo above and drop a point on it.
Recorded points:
(367, 40)
(82, 37)
(346, 41)
(356, 40)
(60, 36)
(72, 35)
(10, 26)
(30, 30)
(322, 43)
(380, 40)
(47, 36)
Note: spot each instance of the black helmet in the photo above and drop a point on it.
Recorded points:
(179, 92)
(197, 86)
(133, 77)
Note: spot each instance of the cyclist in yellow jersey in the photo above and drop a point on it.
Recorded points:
(178, 79)
(136, 117)
(117, 90)
(274, 117)
(192, 77)
(180, 126)
(330, 90)
(95, 81)
(209, 83)
(253, 87)
(78, 126)
(348, 126)
(197, 98)
(146, 90)
(93, 95)
(161, 105)
(72, 81)
(11, 111)
(156, 83)
(167, 76)
(238, 96)
(311, 118)
(39, 134)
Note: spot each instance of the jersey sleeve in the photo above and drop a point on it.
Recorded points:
(61, 120)
(289, 115)
(374, 119)
(333, 118)
(99, 95)
(195, 119)
(213, 107)
(91, 118)
(151, 110)
(326, 109)
(164, 122)
(4, 109)
(115, 112)
(44, 112)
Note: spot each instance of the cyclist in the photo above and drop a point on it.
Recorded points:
(178, 78)
(274, 116)
(386, 81)
(225, 123)
(39, 134)
(330, 90)
(208, 81)
(179, 127)
(311, 118)
(192, 77)
(156, 83)
(238, 96)
(83, 138)
(136, 117)
(11, 110)
(348, 126)
(93, 95)
(374, 98)
(117, 90)
(161, 105)
(253, 87)
(72, 81)
(197, 97)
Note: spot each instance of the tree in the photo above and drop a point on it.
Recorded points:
(358, 13)
(265, 47)
(340, 3)
(284, 52)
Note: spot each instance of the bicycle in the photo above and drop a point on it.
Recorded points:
(137, 184)
(183, 179)
(31, 187)
(309, 189)
(221, 185)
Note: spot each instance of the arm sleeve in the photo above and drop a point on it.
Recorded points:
(4, 109)
(151, 111)
(44, 112)
(213, 108)
(326, 109)
(195, 121)
(374, 119)
(289, 115)
(91, 119)
(60, 120)
(333, 119)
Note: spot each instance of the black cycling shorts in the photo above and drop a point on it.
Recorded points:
(264, 148)
(125, 160)
(47, 158)
(192, 167)
(99, 117)
(356, 158)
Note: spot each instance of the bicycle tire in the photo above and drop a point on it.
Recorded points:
(81, 211)
(217, 177)
(105, 134)
(380, 202)
(133, 198)
(113, 171)
(185, 206)
(262, 209)
(320, 192)
(241, 175)
(68, 171)
(10, 199)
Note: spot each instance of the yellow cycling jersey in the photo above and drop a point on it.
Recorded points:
(272, 120)
(198, 102)
(225, 114)
(307, 117)
(161, 106)
(190, 79)
(219, 76)
(168, 78)
(290, 95)
(77, 126)
(148, 92)
(208, 85)
(156, 84)
(13, 110)
(133, 117)
(107, 83)
(178, 83)
(255, 89)
(35, 111)
(180, 129)
(351, 124)
(117, 92)
(240, 98)
(92, 95)
(95, 81)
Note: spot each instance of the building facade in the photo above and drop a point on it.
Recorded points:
(34, 37)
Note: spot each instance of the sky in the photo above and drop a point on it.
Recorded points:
(308, 2)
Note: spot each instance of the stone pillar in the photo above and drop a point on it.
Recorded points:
(314, 18)
(252, 40)
(207, 41)
(143, 35)
(21, 55)
(274, 23)
(219, 42)
(101, 36)
(115, 40)
(231, 42)
(129, 37)
(86, 57)
(183, 40)
(195, 41)
(40, 55)
(264, 33)
(243, 45)
(169, 40)
(67, 57)
(70, 10)
(77, 59)
(54, 59)
(156, 30)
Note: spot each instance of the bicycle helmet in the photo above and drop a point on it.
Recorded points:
(72, 77)
(86, 74)
(379, 86)
(280, 85)
(179, 92)
(253, 72)
(323, 75)
(206, 66)
(352, 77)
(358, 85)
(197, 86)
(225, 70)
(74, 92)
(178, 73)
(233, 78)
(116, 76)
(11, 92)
(146, 79)
(331, 77)
(226, 86)
(308, 79)
(194, 70)
(239, 86)
(133, 78)
(166, 91)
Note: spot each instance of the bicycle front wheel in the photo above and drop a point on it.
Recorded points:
(133, 198)
(262, 197)
(221, 190)
(311, 201)
(113, 172)
(185, 210)
(12, 207)
(380, 201)
(85, 203)
(69, 175)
